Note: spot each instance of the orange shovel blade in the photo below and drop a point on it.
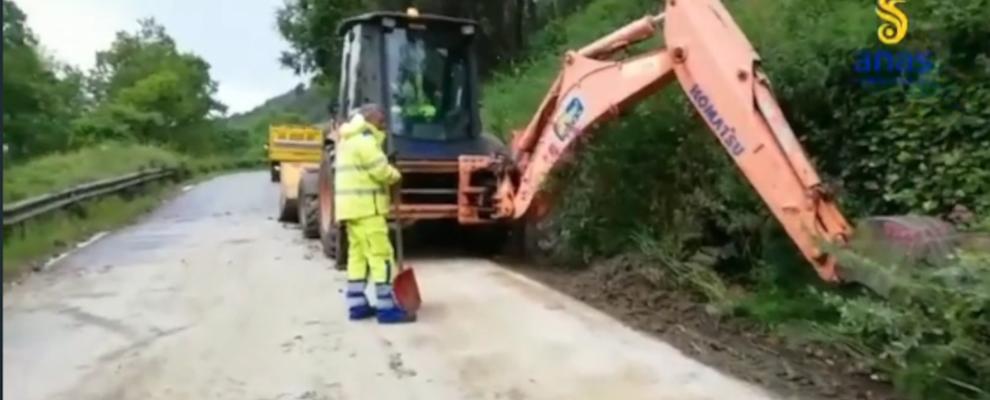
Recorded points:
(407, 290)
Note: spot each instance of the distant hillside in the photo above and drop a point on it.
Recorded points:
(298, 105)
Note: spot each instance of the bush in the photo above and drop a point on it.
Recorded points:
(60, 171)
(930, 334)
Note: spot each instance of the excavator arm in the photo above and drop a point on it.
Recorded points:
(718, 69)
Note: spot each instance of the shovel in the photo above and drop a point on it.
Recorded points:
(404, 286)
(407, 290)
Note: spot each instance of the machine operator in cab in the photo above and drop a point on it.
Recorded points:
(413, 94)
(362, 177)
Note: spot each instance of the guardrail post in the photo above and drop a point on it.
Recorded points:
(75, 209)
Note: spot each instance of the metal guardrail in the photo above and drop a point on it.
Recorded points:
(39, 205)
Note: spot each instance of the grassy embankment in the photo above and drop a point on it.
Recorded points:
(25, 247)
(656, 183)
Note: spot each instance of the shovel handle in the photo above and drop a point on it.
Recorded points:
(395, 229)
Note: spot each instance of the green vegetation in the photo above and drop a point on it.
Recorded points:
(892, 149)
(301, 105)
(60, 171)
(142, 90)
(144, 104)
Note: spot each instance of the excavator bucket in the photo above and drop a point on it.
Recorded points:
(407, 290)
(906, 241)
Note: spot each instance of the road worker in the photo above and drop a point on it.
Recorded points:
(362, 177)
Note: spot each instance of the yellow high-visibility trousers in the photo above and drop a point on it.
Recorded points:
(369, 251)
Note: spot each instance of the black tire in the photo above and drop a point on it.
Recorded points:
(308, 198)
(288, 210)
(308, 220)
(340, 261)
(276, 177)
(328, 235)
(535, 241)
(328, 242)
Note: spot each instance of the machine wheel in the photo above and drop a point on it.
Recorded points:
(328, 229)
(328, 241)
(276, 176)
(328, 237)
(309, 206)
(288, 210)
(340, 239)
(537, 240)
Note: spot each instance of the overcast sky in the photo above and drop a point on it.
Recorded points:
(237, 37)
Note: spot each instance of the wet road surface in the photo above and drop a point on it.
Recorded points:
(210, 298)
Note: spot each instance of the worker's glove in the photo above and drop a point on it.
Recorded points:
(392, 156)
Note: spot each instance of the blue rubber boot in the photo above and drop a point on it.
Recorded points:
(361, 312)
(357, 303)
(394, 315)
(388, 311)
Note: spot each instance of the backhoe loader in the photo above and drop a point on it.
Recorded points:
(452, 174)
(385, 54)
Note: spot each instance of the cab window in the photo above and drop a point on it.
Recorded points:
(428, 84)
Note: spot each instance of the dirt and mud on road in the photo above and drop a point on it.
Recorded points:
(209, 298)
(618, 287)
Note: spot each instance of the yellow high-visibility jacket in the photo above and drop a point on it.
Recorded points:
(362, 175)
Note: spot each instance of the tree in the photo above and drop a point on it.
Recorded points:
(37, 103)
(142, 89)
(150, 92)
(310, 27)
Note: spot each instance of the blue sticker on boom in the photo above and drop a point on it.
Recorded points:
(566, 123)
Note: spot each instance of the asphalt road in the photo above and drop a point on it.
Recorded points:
(210, 298)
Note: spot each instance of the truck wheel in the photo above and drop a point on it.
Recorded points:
(536, 241)
(276, 176)
(328, 230)
(307, 217)
(340, 238)
(328, 242)
(308, 196)
(328, 237)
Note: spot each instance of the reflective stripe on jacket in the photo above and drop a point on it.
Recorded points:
(362, 174)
